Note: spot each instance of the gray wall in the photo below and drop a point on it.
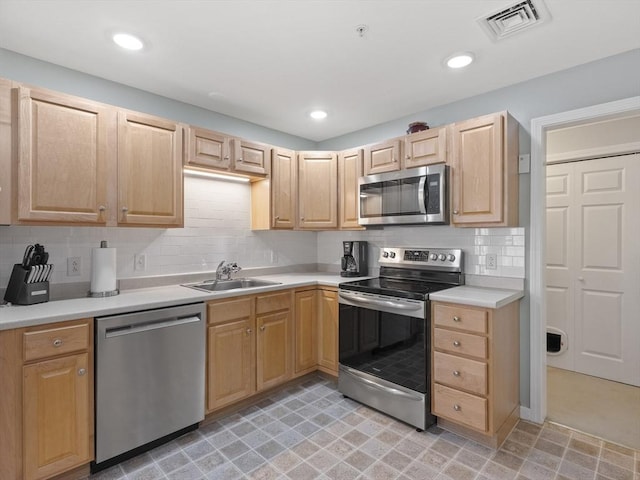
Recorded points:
(47, 75)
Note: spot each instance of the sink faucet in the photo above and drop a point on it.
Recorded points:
(225, 270)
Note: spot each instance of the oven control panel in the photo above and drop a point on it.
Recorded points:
(449, 259)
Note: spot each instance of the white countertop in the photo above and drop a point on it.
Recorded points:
(477, 296)
(17, 316)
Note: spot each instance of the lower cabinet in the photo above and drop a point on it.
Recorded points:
(46, 374)
(249, 346)
(316, 323)
(475, 370)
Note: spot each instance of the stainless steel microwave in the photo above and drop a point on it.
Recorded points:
(414, 196)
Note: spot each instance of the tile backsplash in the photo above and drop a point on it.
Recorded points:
(508, 244)
(217, 227)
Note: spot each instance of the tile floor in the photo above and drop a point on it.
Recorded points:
(309, 431)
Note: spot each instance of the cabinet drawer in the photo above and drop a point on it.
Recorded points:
(56, 341)
(273, 302)
(463, 408)
(458, 342)
(473, 320)
(226, 310)
(460, 373)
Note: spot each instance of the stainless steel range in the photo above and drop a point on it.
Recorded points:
(384, 342)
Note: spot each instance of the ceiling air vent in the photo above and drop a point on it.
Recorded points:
(510, 20)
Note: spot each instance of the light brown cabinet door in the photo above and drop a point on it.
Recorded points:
(273, 349)
(383, 157)
(56, 416)
(306, 330)
(317, 190)
(349, 170)
(484, 162)
(7, 112)
(251, 157)
(283, 188)
(425, 148)
(207, 149)
(328, 331)
(230, 368)
(149, 171)
(66, 150)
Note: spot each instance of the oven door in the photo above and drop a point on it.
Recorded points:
(385, 337)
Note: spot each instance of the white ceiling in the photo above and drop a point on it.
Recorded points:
(272, 61)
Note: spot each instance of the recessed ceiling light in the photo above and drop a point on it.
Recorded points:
(128, 41)
(318, 114)
(459, 60)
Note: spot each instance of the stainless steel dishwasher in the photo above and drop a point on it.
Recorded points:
(150, 379)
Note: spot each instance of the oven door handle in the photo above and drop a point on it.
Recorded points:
(372, 384)
(379, 303)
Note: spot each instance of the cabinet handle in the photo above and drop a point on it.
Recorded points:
(262, 328)
(102, 208)
(456, 318)
(456, 373)
(456, 343)
(248, 331)
(81, 372)
(455, 212)
(457, 407)
(57, 342)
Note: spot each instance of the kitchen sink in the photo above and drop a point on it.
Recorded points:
(235, 284)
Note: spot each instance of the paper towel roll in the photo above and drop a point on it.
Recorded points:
(103, 270)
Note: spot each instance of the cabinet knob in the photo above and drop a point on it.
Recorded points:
(226, 157)
(125, 209)
(456, 373)
(102, 208)
(262, 328)
(408, 157)
(457, 407)
(57, 342)
(81, 372)
(302, 219)
(456, 343)
(248, 331)
(395, 160)
(456, 318)
(277, 218)
(455, 212)
(240, 159)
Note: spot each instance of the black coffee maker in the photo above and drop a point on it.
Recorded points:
(354, 259)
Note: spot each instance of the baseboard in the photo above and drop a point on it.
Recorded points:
(527, 414)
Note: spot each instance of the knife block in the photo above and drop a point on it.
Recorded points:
(19, 292)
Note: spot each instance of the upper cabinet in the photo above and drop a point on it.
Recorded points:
(484, 164)
(117, 167)
(217, 151)
(7, 109)
(207, 149)
(149, 170)
(64, 141)
(349, 170)
(317, 192)
(283, 188)
(383, 157)
(250, 157)
(425, 148)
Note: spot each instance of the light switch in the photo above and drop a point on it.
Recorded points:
(524, 163)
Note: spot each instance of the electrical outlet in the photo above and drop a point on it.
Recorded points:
(140, 262)
(492, 261)
(74, 266)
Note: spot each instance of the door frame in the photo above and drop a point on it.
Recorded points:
(537, 410)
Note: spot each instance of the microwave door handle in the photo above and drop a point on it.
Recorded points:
(422, 194)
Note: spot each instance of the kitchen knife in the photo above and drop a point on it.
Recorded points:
(36, 276)
(49, 271)
(31, 274)
(26, 258)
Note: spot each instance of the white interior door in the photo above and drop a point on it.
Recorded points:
(593, 265)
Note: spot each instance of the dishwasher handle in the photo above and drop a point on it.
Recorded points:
(146, 326)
